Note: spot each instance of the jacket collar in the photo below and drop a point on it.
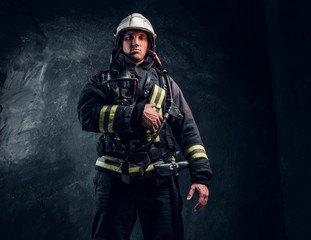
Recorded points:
(123, 62)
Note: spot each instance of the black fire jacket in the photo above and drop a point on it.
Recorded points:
(98, 113)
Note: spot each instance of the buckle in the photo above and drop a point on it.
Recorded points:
(174, 166)
(155, 154)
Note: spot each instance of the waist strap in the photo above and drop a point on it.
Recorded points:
(114, 164)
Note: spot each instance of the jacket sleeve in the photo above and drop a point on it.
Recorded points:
(188, 138)
(96, 111)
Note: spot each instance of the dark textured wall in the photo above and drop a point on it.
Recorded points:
(289, 40)
(241, 84)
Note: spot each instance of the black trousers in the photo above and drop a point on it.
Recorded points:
(117, 205)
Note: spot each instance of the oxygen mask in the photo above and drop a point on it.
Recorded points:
(123, 86)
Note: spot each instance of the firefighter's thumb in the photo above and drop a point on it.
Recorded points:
(191, 192)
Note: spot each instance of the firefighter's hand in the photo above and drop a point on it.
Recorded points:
(203, 193)
(151, 119)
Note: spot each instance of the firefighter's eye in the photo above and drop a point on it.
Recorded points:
(129, 37)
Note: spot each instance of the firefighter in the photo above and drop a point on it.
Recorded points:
(141, 112)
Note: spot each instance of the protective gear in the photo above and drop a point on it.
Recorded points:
(123, 86)
(135, 21)
(122, 148)
(136, 151)
(123, 123)
(117, 205)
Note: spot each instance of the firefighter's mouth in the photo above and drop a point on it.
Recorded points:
(136, 50)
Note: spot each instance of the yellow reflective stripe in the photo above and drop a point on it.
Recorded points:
(102, 117)
(102, 114)
(157, 108)
(198, 155)
(195, 147)
(118, 169)
(150, 135)
(160, 112)
(108, 166)
(136, 169)
(114, 159)
(111, 118)
(159, 104)
(157, 138)
(155, 93)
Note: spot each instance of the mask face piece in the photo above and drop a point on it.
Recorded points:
(123, 86)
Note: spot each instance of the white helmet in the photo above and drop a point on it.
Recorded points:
(135, 21)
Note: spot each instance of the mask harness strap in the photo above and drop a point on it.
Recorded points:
(113, 57)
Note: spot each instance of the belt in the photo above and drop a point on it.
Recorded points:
(115, 164)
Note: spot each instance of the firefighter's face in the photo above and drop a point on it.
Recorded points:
(135, 45)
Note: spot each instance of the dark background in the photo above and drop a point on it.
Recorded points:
(244, 68)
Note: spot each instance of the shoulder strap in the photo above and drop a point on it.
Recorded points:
(167, 130)
(162, 81)
(161, 77)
